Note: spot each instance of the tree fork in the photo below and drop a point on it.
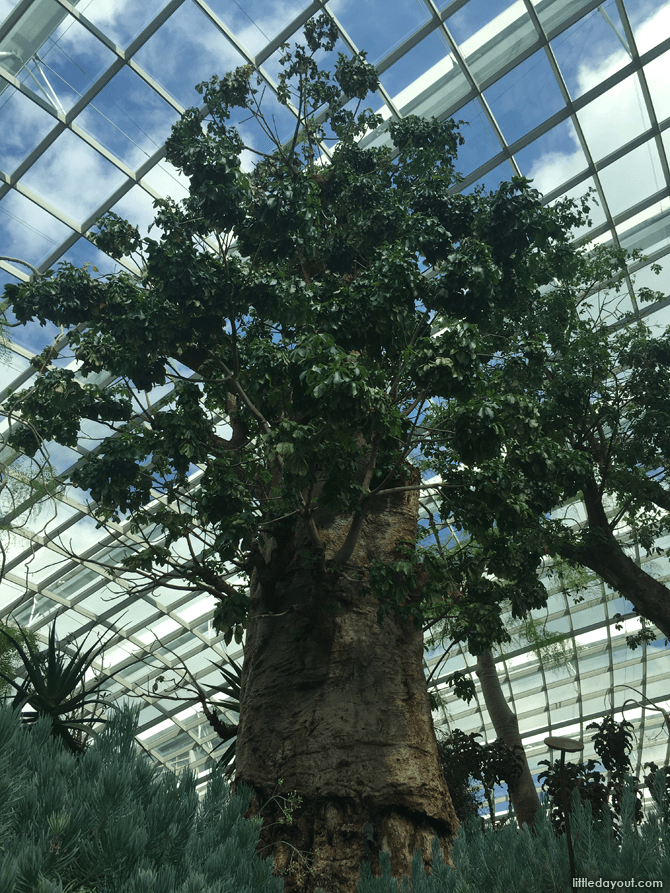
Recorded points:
(603, 555)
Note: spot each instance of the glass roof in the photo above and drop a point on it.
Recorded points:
(572, 93)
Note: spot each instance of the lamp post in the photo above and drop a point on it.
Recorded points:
(566, 745)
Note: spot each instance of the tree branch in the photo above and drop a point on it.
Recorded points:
(345, 552)
(231, 377)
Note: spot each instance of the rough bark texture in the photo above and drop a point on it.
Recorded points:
(606, 558)
(336, 706)
(522, 792)
(650, 597)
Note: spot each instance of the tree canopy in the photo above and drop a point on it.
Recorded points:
(597, 385)
(325, 319)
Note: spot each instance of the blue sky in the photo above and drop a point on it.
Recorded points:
(131, 120)
(371, 27)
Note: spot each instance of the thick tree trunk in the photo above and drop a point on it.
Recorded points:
(650, 597)
(336, 706)
(605, 557)
(522, 792)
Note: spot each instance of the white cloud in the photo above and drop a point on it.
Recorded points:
(27, 231)
(24, 125)
(120, 20)
(608, 123)
(555, 168)
(614, 118)
(656, 28)
(73, 177)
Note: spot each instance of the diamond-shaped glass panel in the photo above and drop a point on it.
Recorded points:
(73, 177)
(187, 34)
(632, 178)
(128, 118)
(622, 103)
(525, 97)
(591, 49)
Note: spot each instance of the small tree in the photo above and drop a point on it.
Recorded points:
(463, 760)
(597, 387)
(612, 742)
(54, 687)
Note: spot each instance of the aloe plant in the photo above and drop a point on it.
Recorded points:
(54, 687)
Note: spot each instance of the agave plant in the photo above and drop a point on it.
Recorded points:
(54, 687)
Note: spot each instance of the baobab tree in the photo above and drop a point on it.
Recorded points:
(290, 309)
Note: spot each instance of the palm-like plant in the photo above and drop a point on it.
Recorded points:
(233, 690)
(54, 687)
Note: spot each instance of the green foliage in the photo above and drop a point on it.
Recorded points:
(575, 406)
(532, 859)
(55, 687)
(112, 822)
(232, 690)
(613, 744)
(553, 650)
(185, 688)
(458, 755)
(644, 636)
(463, 686)
(464, 760)
(467, 589)
(10, 659)
(296, 294)
(571, 578)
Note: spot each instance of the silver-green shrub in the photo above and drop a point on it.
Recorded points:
(536, 861)
(111, 821)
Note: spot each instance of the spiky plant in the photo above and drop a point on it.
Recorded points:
(54, 686)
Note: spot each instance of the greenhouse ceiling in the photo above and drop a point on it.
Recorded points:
(572, 94)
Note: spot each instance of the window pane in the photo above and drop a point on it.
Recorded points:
(525, 97)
